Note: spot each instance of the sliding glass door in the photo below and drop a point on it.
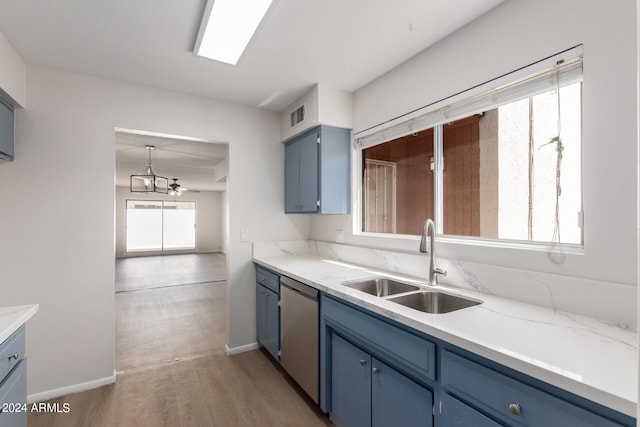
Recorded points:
(179, 231)
(155, 226)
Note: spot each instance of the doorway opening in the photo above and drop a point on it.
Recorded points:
(170, 251)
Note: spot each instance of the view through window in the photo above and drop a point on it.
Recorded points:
(498, 176)
(154, 225)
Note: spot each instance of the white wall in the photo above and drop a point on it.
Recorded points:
(57, 246)
(513, 35)
(12, 73)
(311, 114)
(208, 217)
(323, 105)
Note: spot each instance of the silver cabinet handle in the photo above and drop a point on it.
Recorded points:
(363, 362)
(14, 356)
(375, 370)
(514, 408)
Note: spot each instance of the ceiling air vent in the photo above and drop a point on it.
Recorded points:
(297, 116)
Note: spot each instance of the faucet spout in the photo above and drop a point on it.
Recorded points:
(429, 229)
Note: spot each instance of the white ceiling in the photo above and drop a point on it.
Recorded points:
(344, 44)
(192, 162)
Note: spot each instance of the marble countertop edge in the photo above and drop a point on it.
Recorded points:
(12, 317)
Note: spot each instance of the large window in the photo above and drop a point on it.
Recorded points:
(154, 225)
(504, 164)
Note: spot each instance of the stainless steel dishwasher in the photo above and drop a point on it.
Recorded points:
(299, 334)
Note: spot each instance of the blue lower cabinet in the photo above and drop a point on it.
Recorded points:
(268, 311)
(452, 412)
(510, 401)
(367, 392)
(359, 389)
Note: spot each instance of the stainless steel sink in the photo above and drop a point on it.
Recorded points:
(434, 302)
(380, 286)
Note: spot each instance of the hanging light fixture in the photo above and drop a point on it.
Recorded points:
(148, 181)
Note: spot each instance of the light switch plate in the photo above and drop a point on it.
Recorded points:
(244, 235)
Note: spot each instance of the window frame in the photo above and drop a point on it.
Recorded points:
(389, 131)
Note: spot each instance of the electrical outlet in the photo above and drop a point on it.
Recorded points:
(339, 236)
(244, 235)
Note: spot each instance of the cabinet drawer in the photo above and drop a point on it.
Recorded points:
(494, 393)
(407, 352)
(11, 352)
(13, 397)
(268, 279)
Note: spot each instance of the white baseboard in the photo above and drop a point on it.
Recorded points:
(71, 389)
(241, 349)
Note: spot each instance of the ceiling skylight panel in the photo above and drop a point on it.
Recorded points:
(227, 27)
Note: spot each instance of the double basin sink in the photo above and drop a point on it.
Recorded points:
(412, 296)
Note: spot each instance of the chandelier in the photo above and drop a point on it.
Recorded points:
(148, 181)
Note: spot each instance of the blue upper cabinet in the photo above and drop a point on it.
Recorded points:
(317, 171)
(6, 131)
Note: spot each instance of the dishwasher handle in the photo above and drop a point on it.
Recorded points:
(301, 288)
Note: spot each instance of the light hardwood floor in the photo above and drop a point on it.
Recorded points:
(137, 273)
(172, 371)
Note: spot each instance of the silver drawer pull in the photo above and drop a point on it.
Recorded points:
(14, 356)
(376, 370)
(514, 408)
(363, 362)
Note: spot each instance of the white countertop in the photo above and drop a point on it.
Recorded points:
(12, 317)
(591, 358)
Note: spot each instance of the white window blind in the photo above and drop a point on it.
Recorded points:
(543, 76)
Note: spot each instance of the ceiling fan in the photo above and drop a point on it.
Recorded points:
(176, 189)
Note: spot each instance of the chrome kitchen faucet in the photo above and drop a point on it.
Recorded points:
(430, 229)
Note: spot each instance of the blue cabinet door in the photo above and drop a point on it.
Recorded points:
(350, 384)
(301, 174)
(268, 320)
(309, 172)
(335, 170)
(452, 412)
(13, 397)
(6, 131)
(291, 177)
(398, 401)
(273, 325)
(261, 314)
